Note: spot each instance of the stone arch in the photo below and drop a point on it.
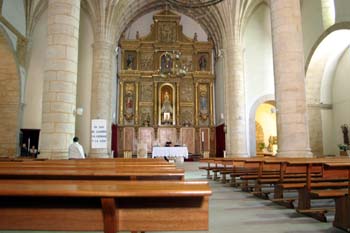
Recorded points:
(335, 27)
(9, 97)
(320, 68)
(252, 129)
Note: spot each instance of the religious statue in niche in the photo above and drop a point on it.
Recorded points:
(202, 62)
(203, 102)
(129, 102)
(130, 60)
(345, 130)
(166, 108)
(272, 141)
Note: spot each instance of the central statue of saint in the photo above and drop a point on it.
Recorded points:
(167, 109)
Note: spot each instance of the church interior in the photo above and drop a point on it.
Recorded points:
(219, 66)
(224, 79)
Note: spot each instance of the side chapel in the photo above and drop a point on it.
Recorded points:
(166, 85)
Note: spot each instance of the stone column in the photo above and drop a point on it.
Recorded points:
(60, 79)
(103, 51)
(328, 13)
(236, 138)
(288, 57)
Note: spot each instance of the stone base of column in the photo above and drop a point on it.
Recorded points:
(55, 155)
(99, 154)
(295, 154)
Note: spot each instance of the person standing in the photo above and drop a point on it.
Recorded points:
(24, 150)
(75, 150)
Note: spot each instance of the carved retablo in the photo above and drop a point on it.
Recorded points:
(166, 80)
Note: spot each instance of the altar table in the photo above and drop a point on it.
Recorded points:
(177, 151)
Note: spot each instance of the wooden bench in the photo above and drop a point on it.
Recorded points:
(111, 206)
(207, 168)
(93, 173)
(341, 196)
(329, 180)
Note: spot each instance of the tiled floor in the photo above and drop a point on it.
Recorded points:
(234, 211)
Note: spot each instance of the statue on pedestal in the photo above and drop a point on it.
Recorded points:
(167, 109)
(345, 130)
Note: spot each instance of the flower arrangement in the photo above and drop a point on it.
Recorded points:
(261, 146)
(343, 147)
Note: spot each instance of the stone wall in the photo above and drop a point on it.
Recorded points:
(9, 99)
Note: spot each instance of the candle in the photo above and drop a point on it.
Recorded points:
(28, 144)
(202, 136)
(224, 154)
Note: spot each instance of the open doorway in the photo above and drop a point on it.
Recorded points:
(266, 129)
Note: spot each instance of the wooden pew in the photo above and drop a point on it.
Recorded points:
(208, 167)
(304, 188)
(91, 169)
(85, 165)
(111, 206)
(100, 173)
(341, 196)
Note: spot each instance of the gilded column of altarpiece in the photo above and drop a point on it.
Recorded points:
(166, 82)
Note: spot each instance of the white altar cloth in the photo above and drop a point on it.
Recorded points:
(178, 151)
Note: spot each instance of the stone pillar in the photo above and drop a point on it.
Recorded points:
(103, 52)
(236, 138)
(60, 79)
(328, 13)
(288, 57)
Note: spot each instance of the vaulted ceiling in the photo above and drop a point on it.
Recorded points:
(117, 15)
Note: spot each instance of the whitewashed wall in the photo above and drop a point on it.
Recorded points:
(35, 76)
(219, 90)
(341, 98)
(342, 10)
(13, 11)
(258, 65)
(312, 26)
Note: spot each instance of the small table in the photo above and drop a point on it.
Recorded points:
(177, 151)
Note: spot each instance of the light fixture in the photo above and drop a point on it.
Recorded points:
(78, 111)
(193, 3)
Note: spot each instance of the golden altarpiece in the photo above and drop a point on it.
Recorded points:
(166, 89)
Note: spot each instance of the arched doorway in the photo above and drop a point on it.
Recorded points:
(266, 133)
(9, 98)
(262, 123)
